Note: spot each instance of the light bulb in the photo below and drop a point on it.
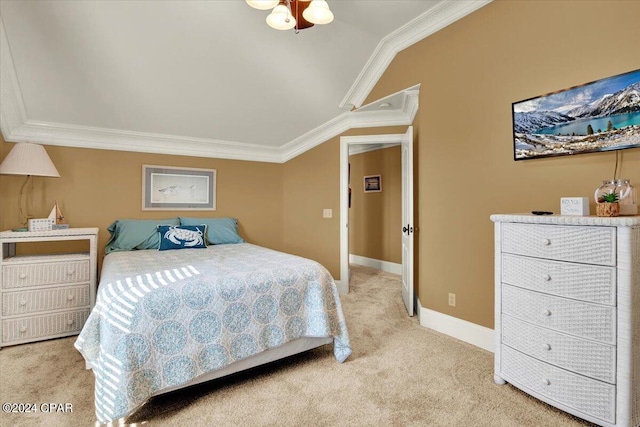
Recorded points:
(318, 12)
(280, 18)
(262, 4)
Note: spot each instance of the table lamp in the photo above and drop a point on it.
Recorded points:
(28, 159)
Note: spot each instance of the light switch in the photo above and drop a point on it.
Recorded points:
(327, 213)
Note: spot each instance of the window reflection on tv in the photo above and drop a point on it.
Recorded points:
(600, 116)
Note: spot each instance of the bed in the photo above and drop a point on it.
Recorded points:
(168, 319)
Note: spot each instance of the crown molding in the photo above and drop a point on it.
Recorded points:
(356, 119)
(431, 21)
(16, 127)
(315, 137)
(119, 140)
(110, 139)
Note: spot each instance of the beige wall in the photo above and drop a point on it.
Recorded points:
(97, 187)
(311, 184)
(470, 73)
(375, 218)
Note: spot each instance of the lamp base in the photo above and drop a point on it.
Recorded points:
(20, 229)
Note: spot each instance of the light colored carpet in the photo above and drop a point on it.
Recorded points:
(400, 374)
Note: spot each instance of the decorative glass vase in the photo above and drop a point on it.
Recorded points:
(608, 186)
(628, 197)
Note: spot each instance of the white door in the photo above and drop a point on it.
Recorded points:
(407, 219)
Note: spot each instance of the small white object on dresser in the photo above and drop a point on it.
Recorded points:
(567, 313)
(574, 206)
(45, 296)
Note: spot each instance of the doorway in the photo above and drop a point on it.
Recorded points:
(406, 141)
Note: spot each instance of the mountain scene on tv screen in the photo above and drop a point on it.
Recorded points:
(599, 116)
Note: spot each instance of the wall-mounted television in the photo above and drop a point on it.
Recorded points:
(599, 116)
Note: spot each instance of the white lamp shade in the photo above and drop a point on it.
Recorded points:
(263, 4)
(280, 18)
(26, 158)
(318, 12)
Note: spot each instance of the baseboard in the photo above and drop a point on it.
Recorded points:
(342, 290)
(468, 332)
(389, 267)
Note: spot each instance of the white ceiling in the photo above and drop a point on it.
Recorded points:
(209, 77)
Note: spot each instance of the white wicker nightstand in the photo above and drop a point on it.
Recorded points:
(45, 296)
(567, 322)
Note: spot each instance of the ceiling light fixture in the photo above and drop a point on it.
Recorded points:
(296, 14)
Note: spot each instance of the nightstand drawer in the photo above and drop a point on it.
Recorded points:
(591, 245)
(25, 302)
(582, 319)
(24, 329)
(578, 281)
(583, 394)
(23, 275)
(581, 356)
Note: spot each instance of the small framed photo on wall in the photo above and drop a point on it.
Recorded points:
(373, 183)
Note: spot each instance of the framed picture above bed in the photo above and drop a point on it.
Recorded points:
(166, 188)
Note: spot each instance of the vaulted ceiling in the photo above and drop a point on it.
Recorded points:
(205, 78)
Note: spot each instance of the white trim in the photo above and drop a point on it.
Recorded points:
(111, 139)
(315, 137)
(345, 143)
(16, 127)
(389, 267)
(468, 332)
(16, 130)
(340, 287)
(356, 119)
(433, 20)
(383, 139)
(360, 149)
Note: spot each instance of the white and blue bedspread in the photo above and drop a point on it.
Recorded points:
(163, 318)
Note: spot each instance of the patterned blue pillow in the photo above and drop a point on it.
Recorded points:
(182, 236)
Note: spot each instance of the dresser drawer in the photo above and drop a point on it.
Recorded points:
(43, 326)
(23, 275)
(583, 394)
(581, 356)
(582, 319)
(25, 302)
(591, 245)
(578, 281)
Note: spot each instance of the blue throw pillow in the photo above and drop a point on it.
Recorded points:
(219, 230)
(182, 236)
(133, 234)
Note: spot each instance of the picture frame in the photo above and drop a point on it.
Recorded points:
(603, 115)
(166, 188)
(373, 183)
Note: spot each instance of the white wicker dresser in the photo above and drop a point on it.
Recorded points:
(567, 313)
(45, 296)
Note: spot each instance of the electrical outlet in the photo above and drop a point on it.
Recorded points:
(452, 300)
(327, 213)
